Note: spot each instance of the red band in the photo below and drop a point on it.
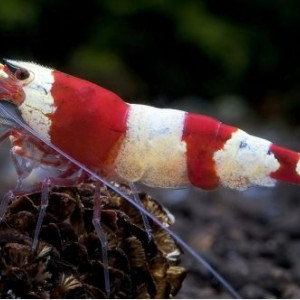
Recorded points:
(203, 136)
(89, 122)
(288, 160)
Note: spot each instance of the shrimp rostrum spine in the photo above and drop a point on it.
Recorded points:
(139, 143)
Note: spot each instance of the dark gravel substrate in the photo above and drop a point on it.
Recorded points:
(252, 238)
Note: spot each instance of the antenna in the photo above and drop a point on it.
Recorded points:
(8, 114)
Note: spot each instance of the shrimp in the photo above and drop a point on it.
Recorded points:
(130, 143)
(137, 143)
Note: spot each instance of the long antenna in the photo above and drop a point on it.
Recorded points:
(202, 261)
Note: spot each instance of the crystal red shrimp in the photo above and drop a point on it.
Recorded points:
(139, 143)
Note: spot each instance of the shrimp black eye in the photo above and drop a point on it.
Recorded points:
(22, 74)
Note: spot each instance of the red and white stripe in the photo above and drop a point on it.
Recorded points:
(130, 142)
(153, 151)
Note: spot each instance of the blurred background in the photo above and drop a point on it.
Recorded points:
(235, 60)
(164, 51)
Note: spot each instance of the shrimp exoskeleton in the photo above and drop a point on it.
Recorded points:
(91, 128)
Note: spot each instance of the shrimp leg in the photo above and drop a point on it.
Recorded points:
(145, 219)
(101, 235)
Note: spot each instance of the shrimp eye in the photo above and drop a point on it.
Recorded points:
(22, 74)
